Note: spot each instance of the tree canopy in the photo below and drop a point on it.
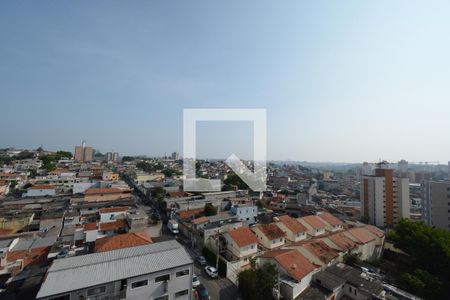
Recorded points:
(234, 179)
(255, 284)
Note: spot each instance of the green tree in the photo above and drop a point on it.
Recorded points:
(257, 283)
(422, 284)
(260, 204)
(234, 179)
(210, 210)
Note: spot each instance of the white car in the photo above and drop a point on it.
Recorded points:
(211, 271)
(195, 281)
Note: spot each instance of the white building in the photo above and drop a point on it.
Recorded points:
(155, 271)
(41, 191)
(246, 213)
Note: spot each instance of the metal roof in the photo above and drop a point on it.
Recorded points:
(79, 272)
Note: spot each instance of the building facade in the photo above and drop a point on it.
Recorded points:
(83, 153)
(436, 203)
(384, 197)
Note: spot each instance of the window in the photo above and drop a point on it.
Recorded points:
(96, 291)
(181, 293)
(162, 278)
(165, 297)
(182, 273)
(140, 283)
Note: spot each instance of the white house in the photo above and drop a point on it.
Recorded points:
(246, 213)
(315, 226)
(270, 236)
(242, 243)
(41, 190)
(296, 271)
(110, 214)
(332, 223)
(293, 229)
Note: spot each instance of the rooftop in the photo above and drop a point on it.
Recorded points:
(243, 236)
(272, 231)
(292, 224)
(292, 261)
(122, 241)
(330, 219)
(113, 209)
(314, 222)
(79, 272)
(102, 191)
(362, 234)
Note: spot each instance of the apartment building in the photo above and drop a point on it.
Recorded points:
(160, 271)
(83, 153)
(436, 203)
(384, 197)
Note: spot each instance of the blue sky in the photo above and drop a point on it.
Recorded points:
(343, 81)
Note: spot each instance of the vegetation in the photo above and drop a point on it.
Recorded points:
(49, 161)
(159, 194)
(352, 259)
(234, 179)
(260, 204)
(257, 283)
(429, 247)
(210, 210)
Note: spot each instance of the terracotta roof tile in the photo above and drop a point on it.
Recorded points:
(329, 218)
(314, 222)
(103, 191)
(342, 241)
(321, 250)
(42, 187)
(272, 231)
(243, 236)
(200, 220)
(362, 234)
(292, 261)
(187, 214)
(120, 241)
(113, 209)
(375, 230)
(292, 224)
(90, 226)
(116, 225)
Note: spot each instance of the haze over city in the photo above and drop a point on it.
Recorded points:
(346, 81)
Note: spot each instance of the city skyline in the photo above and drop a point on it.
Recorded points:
(340, 83)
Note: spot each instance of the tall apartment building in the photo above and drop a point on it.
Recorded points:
(160, 271)
(175, 156)
(384, 197)
(83, 153)
(112, 156)
(436, 203)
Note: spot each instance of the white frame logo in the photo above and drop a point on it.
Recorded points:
(256, 180)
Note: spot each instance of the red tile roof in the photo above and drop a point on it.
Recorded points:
(187, 214)
(362, 234)
(120, 241)
(342, 241)
(292, 261)
(271, 231)
(321, 250)
(314, 222)
(292, 224)
(90, 226)
(113, 209)
(375, 230)
(243, 236)
(103, 191)
(42, 187)
(116, 225)
(200, 220)
(329, 218)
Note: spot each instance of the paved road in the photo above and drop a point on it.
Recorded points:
(218, 289)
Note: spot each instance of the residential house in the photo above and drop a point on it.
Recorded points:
(270, 236)
(296, 271)
(332, 223)
(120, 241)
(245, 212)
(315, 226)
(106, 194)
(242, 244)
(293, 229)
(110, 214)
(41, 190)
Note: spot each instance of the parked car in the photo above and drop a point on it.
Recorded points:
(211, 271)
(201, 260)
(202, 292)
(195, 281)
